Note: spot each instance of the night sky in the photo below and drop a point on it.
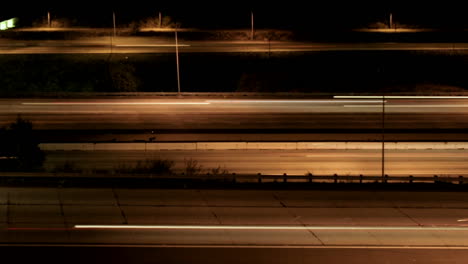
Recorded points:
(236, 14)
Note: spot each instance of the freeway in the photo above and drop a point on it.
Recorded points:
(202, 224)
(178, 119)
(402, 162)
(247, 255)
(158, 45)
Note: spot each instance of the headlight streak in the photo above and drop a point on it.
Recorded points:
(396, 97)
(151, 45)
(231, 227)
(115, 103)
(292, 101)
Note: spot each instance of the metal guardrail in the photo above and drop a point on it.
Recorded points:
(260, 178)
(345, 178)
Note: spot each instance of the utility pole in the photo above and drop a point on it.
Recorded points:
(383, 136)
(160, 20)
(252, 25)
(391, 21)
(48, 19)
(177, 62)
(113, 21)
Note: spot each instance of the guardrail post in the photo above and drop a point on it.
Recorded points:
(360, 178)
(335, 178)
(460, 179)
(310, 177)
(411, 179)
(259, 178)
(436, 178)
(284, 177)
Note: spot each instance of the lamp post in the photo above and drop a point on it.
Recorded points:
(391, 21)
(113, 22)
(160, 20)
(383, 136)
(177, 61)
(252, 25)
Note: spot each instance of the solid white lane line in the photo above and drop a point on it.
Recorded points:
(221, 227)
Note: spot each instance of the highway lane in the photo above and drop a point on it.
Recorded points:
(265, 115)
(248, 255)
(240, 113)
(165, 45)
(293, 162)
(180, 220)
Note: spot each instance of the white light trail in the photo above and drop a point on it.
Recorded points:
(291, 101)
(231, 227)
(396, 97)
(409, 106)
(117, 103)
(152, 45)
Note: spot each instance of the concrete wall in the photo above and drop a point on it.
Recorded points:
(251, 146)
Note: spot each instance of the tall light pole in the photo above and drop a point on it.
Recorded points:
(48, 19)
(160, 20)
(391, 21)
(383, 136)
(113, 21)
(177, 61)
(252, 25)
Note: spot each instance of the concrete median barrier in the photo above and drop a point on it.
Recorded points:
(67, 146)
(120, 146)
(221, 145)
(271, 145)
(171, 146)
(253, 146)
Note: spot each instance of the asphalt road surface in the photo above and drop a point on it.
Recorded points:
(436, 118)
(274, 226)
(248, 255)
(159, 45)
(293, 162)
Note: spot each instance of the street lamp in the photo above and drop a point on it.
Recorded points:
(113, 21)
(252, 25)
(177, 61)
(383, 136)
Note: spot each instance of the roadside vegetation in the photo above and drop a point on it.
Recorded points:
(149, 166)
(305, 72)
(19, 147)
(157, 167)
